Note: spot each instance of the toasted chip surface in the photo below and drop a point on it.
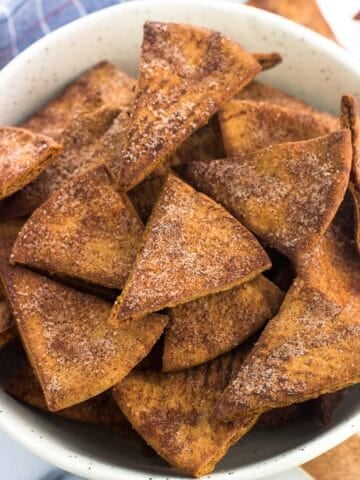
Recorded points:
(78, 141)
(287, 194)
(350, 118)
(191, 247)
(74, 352)
(306, 12)
(186, 73)
(101, 410)
(203, 329)
(23, 156)
(265, 93)
(251, 125)
(173, 413)
(86, 230)
(310, 348)
(104, 83)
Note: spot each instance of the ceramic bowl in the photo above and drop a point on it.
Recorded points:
(314, 69)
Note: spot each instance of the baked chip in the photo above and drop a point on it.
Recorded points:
(85, 230)
(310, 348)
(78, 141)
(268, 60)
(206, 328)
(287, 194)
(350, 119)
(192, 247)
(8, 233)
(247, 125)
(173, 413)
(76, 355)
(305, 12)
(186, 74)
(104, 83)
(101, 410)
(265, 93)
(23, 156)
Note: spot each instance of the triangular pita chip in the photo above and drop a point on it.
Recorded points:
(191, 247)
(8, 233)
(206, 328)
(173, 413)
(101, 410)
(78, 141)
(86, 230)
(306, 12)
(248, 125)
(23, 156)
(350, 119)
(265, 93)
(76, 355)
(286, 194)
(104, 83)
(186, 73)
(310, 348)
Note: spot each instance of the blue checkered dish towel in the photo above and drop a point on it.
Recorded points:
(22, 22)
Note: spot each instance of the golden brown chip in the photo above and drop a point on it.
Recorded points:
(210, 326)
(76, 355)
(333, 267)
(23, 156)
(186, 73)
(192, 247)
(305, 12)
(310, 348)
(265, 93)
(286, 194)
(86, 230)
(102, 84)
(350, 119)
(101, 410)
(248, 125)
(8, 233)
(173, 413)
(79, 140)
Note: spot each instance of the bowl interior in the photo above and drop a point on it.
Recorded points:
(315, 70)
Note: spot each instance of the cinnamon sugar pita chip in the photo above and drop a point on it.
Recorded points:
(310, 348)
(173, 413)
(206, 328)
(78, 141)
(23, 156)
(191, 247)
(8, 233)
(104, 84)
(101, 410)
(287, 194)
(349, 118)
(305, 12)
(76, 355)
(85, 230)
(265, 93)
(248, 125)
(186, 73)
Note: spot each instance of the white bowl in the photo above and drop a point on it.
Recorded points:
(314, 69)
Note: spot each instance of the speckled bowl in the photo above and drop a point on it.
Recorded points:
(314, 69)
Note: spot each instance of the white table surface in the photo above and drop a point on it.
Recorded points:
(19, 464)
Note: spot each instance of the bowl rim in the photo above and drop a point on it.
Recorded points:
(13, 423)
